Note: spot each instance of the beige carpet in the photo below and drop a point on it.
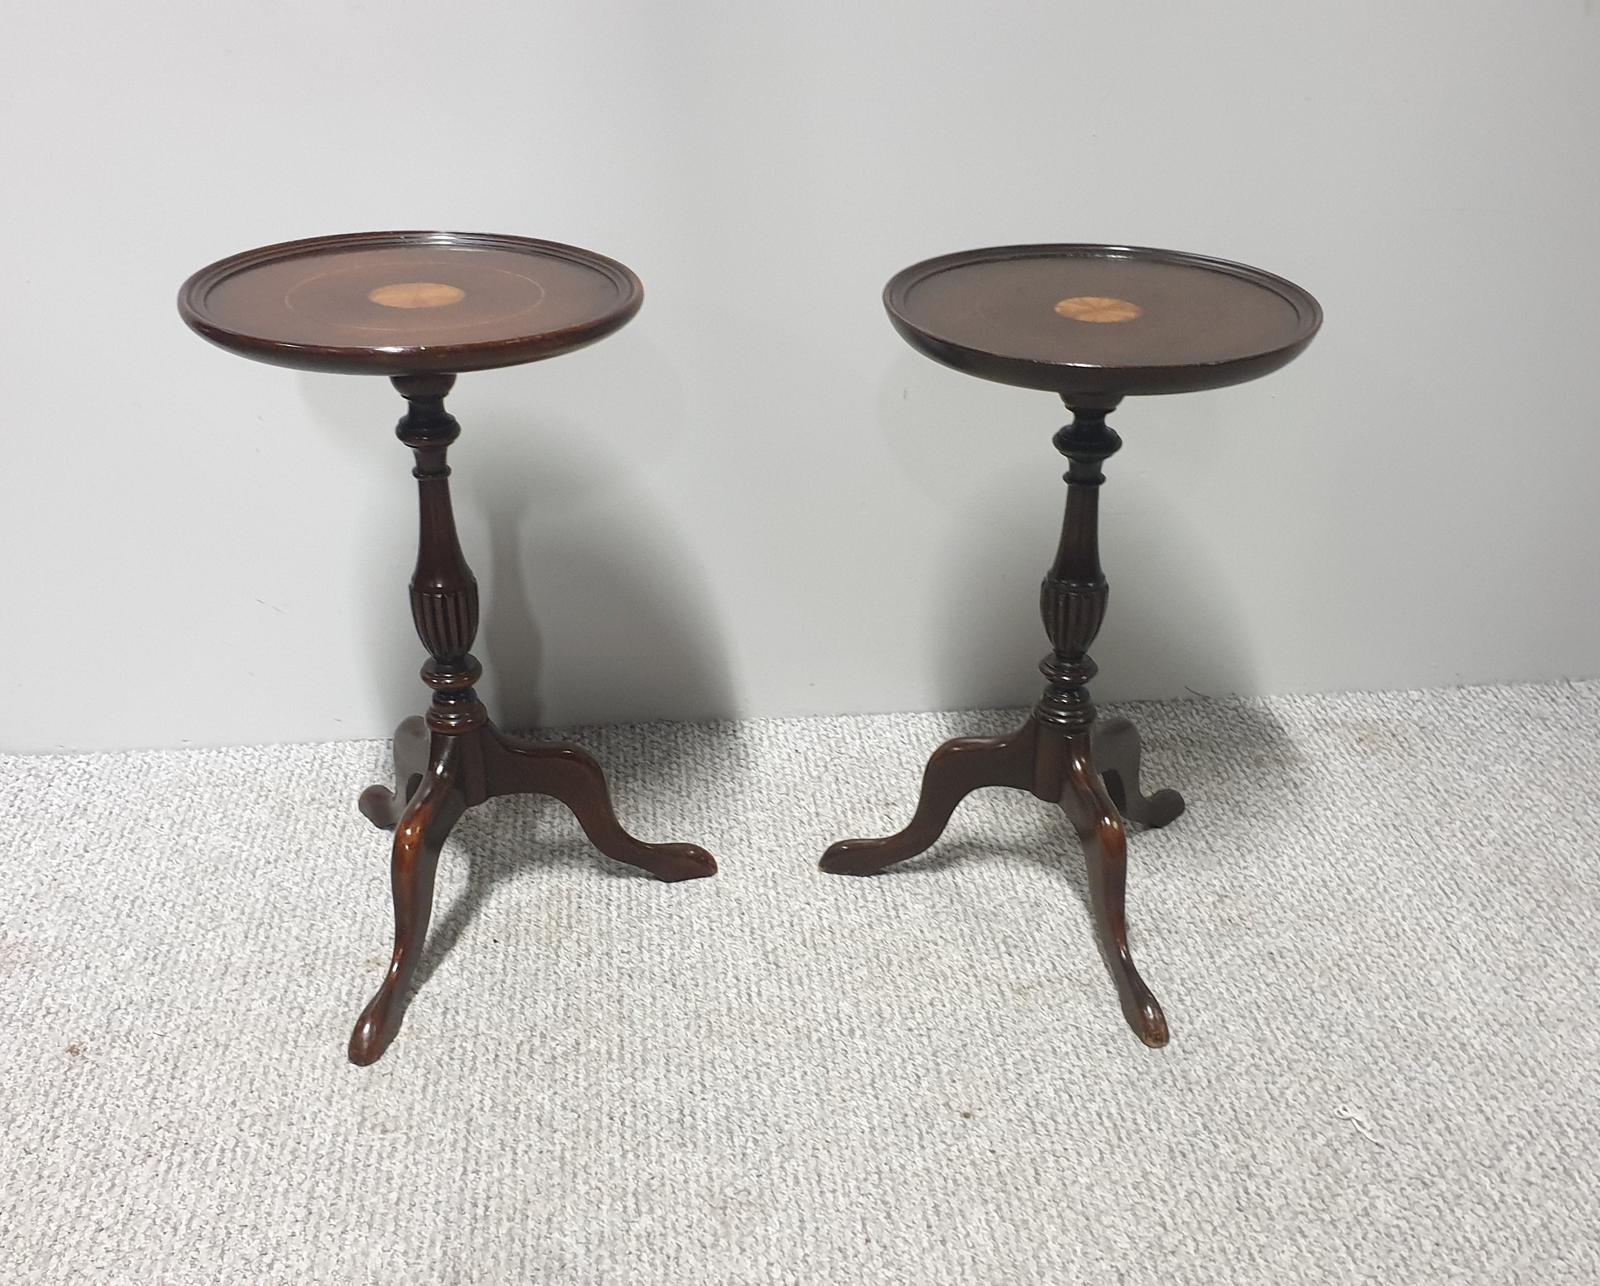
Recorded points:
(1374, 934)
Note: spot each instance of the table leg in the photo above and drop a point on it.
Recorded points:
(956, 769)
(382, 806)
(570, 774)
(1066, 770)
(430, 813)
(1115, 746)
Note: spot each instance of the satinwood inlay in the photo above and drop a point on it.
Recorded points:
(1098, 308)
(417, 294)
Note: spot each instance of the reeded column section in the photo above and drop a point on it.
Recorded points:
(1072, 599)
(444, 592)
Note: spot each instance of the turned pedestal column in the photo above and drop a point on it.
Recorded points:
(1062, 753)
(454, 757)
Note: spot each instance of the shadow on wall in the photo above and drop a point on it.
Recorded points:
(984, 458)
(1172, 627)
(593, 609)
(599, 609)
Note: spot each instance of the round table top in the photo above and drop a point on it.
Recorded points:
(1101, 322)
(409, 303)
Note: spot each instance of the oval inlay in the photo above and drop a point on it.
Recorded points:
(1097, 308)
(416, 294)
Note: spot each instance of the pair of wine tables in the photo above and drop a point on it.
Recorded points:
(1090, 323)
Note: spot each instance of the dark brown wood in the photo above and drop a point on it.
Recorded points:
(1097, 322)
(455, 757)
(420, 307)
(432, 809)
(409, 303)
(382, 806)
(1116, 749)
(1053, 753)
(1093, 324)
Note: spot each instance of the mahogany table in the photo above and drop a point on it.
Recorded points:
(421, 307)
(1093, 324)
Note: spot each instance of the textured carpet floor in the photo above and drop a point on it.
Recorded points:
(1373, 932)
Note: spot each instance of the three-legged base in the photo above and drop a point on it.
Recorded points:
(438, 776)
(1093, 775)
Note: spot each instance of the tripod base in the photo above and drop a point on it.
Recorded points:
(1093, 775)
(438, 776)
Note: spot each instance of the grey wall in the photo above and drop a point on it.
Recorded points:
(755, 499)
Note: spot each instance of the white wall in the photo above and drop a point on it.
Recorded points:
(755, 499)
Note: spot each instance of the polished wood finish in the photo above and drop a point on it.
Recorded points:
(1053, 754)
(1101, 322)
(1116, 749)
(1091, 323)
(409, 303)
(420, 307)
(454, 757)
